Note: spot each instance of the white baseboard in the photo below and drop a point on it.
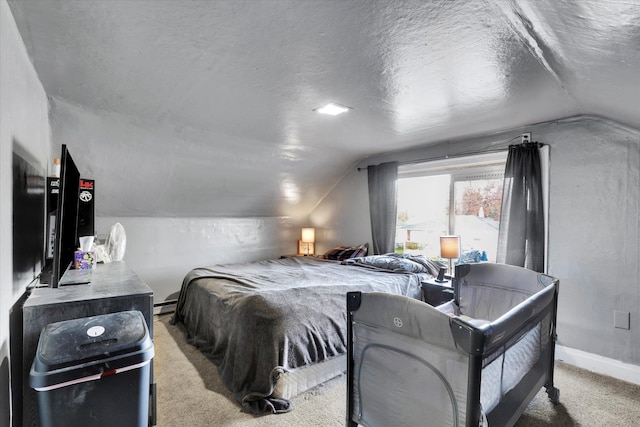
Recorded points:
(599, 364)
(166, 307)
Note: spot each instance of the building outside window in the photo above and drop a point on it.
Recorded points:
(461, 196)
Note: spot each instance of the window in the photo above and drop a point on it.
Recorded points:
(460, 196)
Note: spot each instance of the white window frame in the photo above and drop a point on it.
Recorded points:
(460, 168)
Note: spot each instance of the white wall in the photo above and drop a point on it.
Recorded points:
(165, 169)
(342, 218)
(23, 121)
(163, 250)
(594, 225)
(124, 154)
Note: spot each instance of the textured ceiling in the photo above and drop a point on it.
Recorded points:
(249, 73)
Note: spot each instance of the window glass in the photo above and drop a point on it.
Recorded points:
(477, 215)
(423, 214)
(462, 199)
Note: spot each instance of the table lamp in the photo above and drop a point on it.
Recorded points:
(308, 238)
(450, 248)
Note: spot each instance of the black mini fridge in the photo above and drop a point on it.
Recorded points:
(94, 371)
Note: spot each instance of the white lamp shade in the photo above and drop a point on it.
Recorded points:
(308, 235)
(450, 247)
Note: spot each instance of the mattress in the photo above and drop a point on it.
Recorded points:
(266, 325)
(296, 381)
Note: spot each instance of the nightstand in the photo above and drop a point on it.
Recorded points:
(113, 288)
(436, 293)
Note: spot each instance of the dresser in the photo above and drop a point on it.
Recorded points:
(113, 288)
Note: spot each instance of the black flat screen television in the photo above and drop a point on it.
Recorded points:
(66, 241)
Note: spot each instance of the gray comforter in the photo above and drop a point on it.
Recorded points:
(257, 320)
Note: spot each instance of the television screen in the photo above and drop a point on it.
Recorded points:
(66, 241)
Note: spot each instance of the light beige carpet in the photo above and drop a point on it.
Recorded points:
(190, 394)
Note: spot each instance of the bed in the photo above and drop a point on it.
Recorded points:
(475, 361)
(275, 328)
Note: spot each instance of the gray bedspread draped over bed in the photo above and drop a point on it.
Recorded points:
(260, 319)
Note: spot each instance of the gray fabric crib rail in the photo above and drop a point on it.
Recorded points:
(477, 360)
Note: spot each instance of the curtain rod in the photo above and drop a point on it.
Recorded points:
(453, 156)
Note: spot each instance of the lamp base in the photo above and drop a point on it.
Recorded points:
(305, 248)
(441, 278)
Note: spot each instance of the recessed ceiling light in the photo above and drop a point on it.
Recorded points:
(332, 109)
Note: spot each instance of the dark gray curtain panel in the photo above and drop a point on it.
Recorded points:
(383, 206)
(521, 234)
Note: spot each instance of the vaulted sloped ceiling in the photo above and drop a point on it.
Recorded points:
(234, 85)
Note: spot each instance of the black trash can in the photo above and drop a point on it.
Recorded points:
(94, 371)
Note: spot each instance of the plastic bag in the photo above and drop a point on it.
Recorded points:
(116, 242)
(101, 253)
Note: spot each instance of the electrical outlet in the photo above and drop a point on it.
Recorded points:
(622, 319)
(526, 137)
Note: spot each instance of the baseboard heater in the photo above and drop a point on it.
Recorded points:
(168, 306)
